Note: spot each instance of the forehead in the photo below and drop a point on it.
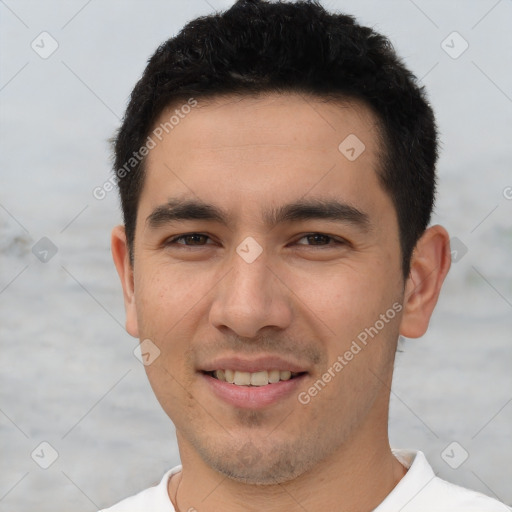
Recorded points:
(260, 119)
(270, 148)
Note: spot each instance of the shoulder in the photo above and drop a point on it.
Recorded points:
(154, 498)
(420, 490)
(455, 497)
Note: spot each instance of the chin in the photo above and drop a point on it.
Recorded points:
(250, 465)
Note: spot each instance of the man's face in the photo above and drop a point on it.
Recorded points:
(252, 294)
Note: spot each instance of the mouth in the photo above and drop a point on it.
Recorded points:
(256, 383)
(253, 379)
(254, 390)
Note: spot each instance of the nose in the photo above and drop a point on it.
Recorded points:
(250, 298)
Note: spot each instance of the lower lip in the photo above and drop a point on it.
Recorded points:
(253, 397)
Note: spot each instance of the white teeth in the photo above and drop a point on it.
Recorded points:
(253, 379)
(242, 378)
(259, 378)
(285, 375)
(273, 376)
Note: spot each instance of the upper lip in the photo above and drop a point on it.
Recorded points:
(256, 364)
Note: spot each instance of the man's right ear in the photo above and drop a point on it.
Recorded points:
(121, 256)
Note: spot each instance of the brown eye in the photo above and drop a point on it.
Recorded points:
(193, 239)
(319, 239)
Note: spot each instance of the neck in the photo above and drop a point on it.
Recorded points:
(357, 477)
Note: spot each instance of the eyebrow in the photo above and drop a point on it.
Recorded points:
(176, 210)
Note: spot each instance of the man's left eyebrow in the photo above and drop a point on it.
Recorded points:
(324, 209)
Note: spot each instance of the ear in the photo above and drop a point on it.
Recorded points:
(121, 256)
(430, 262)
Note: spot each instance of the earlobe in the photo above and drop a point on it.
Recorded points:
(430, 263)
(121, 256)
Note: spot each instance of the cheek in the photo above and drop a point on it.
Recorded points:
(165, 294)
(167, 298)
(162, 301)
(344, 299)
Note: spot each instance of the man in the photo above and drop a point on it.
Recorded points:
(276, 167)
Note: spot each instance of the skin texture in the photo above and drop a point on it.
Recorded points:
(304, 298)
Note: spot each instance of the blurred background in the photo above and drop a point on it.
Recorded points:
(80, 427)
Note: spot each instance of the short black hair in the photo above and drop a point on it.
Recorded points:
(258, 47)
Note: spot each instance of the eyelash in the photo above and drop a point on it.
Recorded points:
(173, 241)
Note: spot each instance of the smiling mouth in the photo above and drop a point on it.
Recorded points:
(262, 378)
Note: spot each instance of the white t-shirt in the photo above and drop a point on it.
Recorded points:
(420, 490)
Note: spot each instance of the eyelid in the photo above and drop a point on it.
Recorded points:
(336, 239)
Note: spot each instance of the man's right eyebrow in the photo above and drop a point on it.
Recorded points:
(177, 210)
